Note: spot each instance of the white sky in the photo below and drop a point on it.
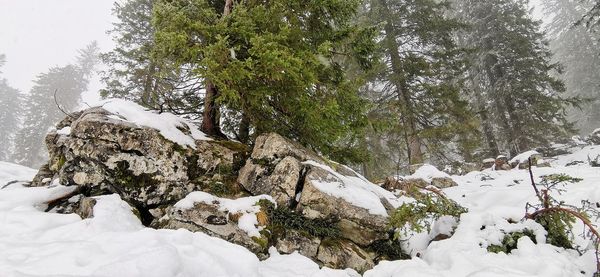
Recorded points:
(38, 34)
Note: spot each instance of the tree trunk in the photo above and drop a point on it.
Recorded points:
(210, 117)
(244, 130)
(415, 154)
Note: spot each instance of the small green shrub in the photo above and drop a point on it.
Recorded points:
(509, 242)
(282, 218)
(420, 214)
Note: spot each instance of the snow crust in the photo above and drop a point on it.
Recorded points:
(247, 206)
(166, 123)
(356, 190)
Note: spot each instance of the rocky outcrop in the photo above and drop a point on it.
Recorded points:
(280, 195)
(101, 152)
(594, 137)
(501, 163)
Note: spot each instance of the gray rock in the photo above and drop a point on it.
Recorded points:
(344, 254)
(295, 241)
(103, 154)
(443, 182)
(209, 219)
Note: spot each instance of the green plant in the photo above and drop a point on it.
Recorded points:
(282, 218)
(509, 242)
(419, 215)
(558, 218)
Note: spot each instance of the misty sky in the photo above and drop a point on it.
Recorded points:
(38, 34)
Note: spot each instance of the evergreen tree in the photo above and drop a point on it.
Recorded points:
(134, 74)
(41, 112)
(278, 65)
(520, 103)
(418, 86)
(577, 49)
(10, 103)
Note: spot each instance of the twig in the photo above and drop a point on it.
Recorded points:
(59, 107)
(537, 192)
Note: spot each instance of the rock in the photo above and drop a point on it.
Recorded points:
(443, 182)
(210, 219)
(594, 137)
(86, 207)
(488, 163)
(104, 153)
(501, 163)
(335, 253)
(356, 223)
(279, 181)
(522, 160)
(295, 241)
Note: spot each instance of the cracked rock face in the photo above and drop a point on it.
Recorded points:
(103, 153)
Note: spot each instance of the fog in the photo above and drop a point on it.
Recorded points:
(38, 34)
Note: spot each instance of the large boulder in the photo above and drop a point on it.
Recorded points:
(317, 188)
(594, 137)
(150, 160)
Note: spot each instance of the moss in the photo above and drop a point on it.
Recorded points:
(388, 250)
(509, 242)
(126, 179)
(61, 162)
(262, 241)
(233, 145)
(282, 218)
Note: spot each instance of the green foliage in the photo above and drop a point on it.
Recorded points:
(559, 226)
(280, 63)
(420, 214)
(388, 250)
(282, 218)
(509, 242)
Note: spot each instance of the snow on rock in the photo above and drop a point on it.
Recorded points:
(427, 172)
(524, 157)
(246, 206)
(169, 125)
(64, 131)
(356, 190)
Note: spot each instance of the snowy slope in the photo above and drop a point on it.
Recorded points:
(114, 243)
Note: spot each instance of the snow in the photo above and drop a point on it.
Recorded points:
(356, 190)
(427, 172)
(166, 123)
(523, 157)
(64, 131)
(114, 243)
(247, 206)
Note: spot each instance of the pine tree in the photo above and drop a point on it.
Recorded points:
(520, 103)
(134, 74)
(419, 84)
(577, 49)
(9, 113)
(41, 113)
(277, 65)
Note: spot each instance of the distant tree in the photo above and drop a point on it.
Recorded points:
(41, 112)
(134, 74)
(277, 65)
(578, 50)
(520, 102)
(10, 110)
(418, 88)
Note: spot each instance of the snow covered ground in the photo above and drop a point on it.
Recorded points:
(114, 243)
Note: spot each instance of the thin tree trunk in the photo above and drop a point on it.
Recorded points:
(415, 154)
(244, 130)
(210, 117)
